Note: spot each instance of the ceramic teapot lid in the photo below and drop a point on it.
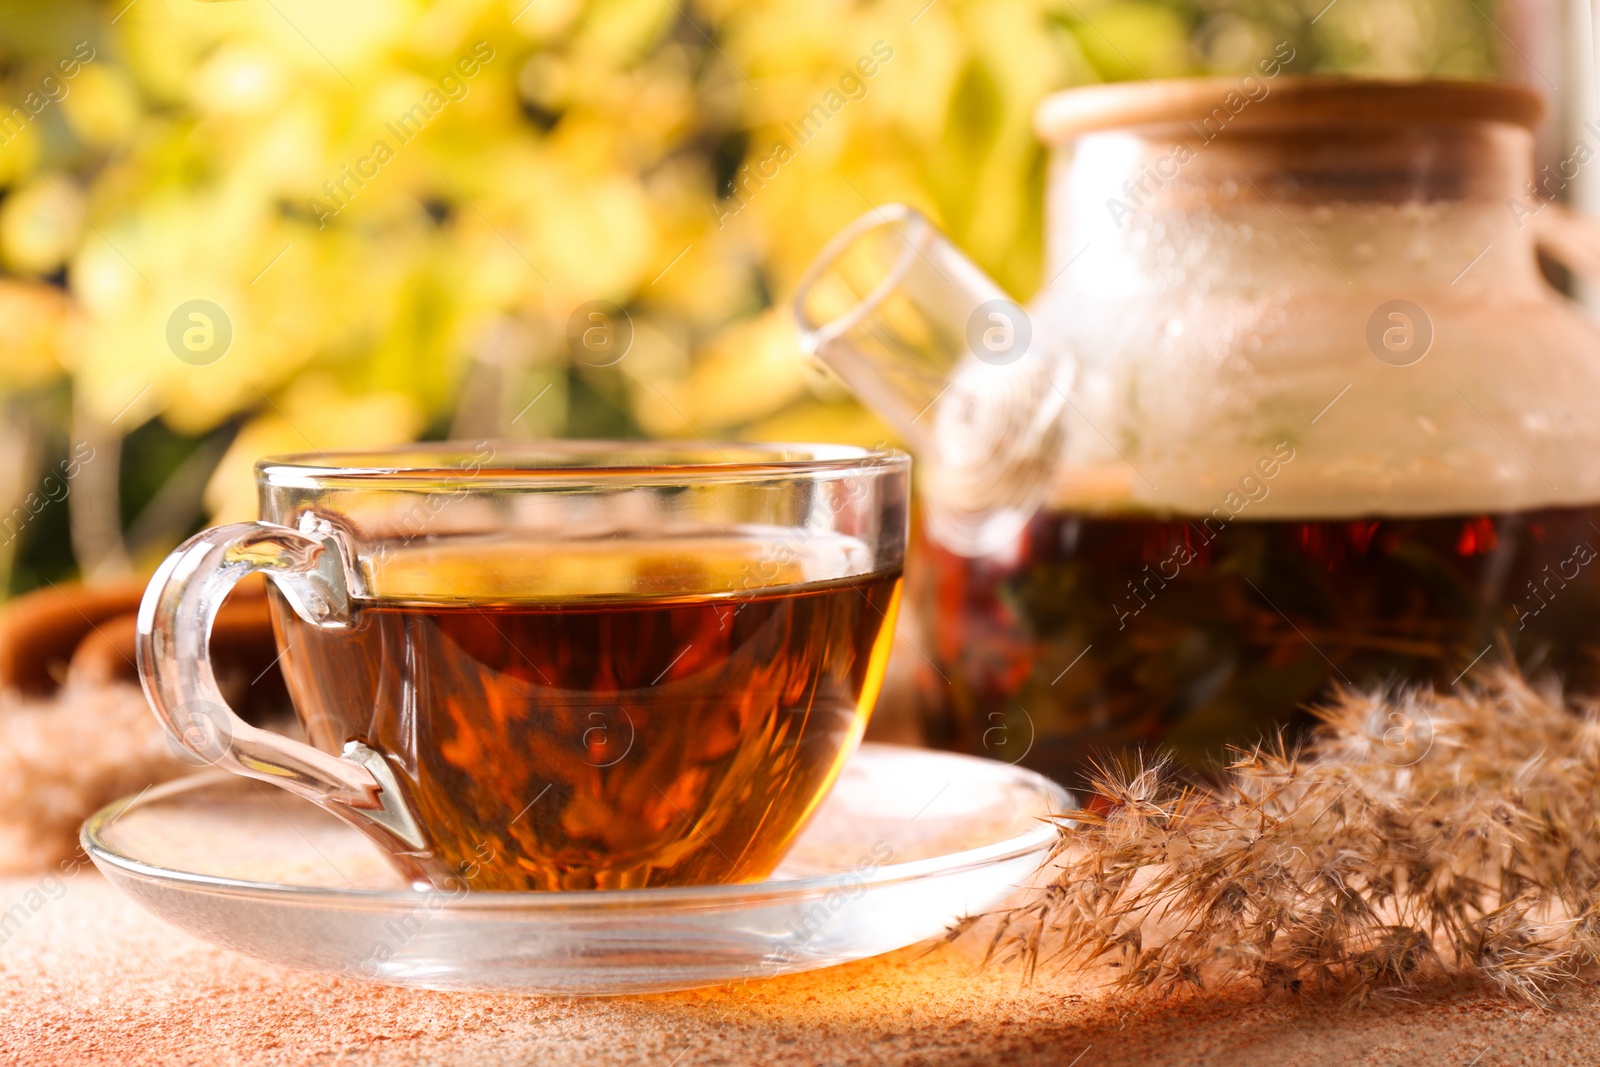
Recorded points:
(1283, 101)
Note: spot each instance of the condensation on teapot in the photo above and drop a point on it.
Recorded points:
(1400, 339)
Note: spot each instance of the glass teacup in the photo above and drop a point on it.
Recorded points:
(556, 666)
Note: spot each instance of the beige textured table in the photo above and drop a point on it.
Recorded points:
(89, 978)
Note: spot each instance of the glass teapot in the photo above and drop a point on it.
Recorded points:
(1296, 413)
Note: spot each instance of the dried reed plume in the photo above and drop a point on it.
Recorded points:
(1419, 836)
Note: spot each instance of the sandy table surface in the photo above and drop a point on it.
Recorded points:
(90, 978)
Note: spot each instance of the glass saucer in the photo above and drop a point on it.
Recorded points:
(908, 842)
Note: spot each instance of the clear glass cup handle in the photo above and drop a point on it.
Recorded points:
(174, 636)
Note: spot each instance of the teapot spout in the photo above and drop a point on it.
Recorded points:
(886, 305)
(941, 353)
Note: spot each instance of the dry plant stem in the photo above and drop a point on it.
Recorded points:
(1420, 836)
(93, 520)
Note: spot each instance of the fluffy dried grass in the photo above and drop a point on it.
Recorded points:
(1418, 837)
(64, 756)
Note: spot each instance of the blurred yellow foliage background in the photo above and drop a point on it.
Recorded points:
(683, 161)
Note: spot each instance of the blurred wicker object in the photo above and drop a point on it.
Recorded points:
(75, 733)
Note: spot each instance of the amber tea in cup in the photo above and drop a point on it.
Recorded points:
(574, 666)
(660, 732)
